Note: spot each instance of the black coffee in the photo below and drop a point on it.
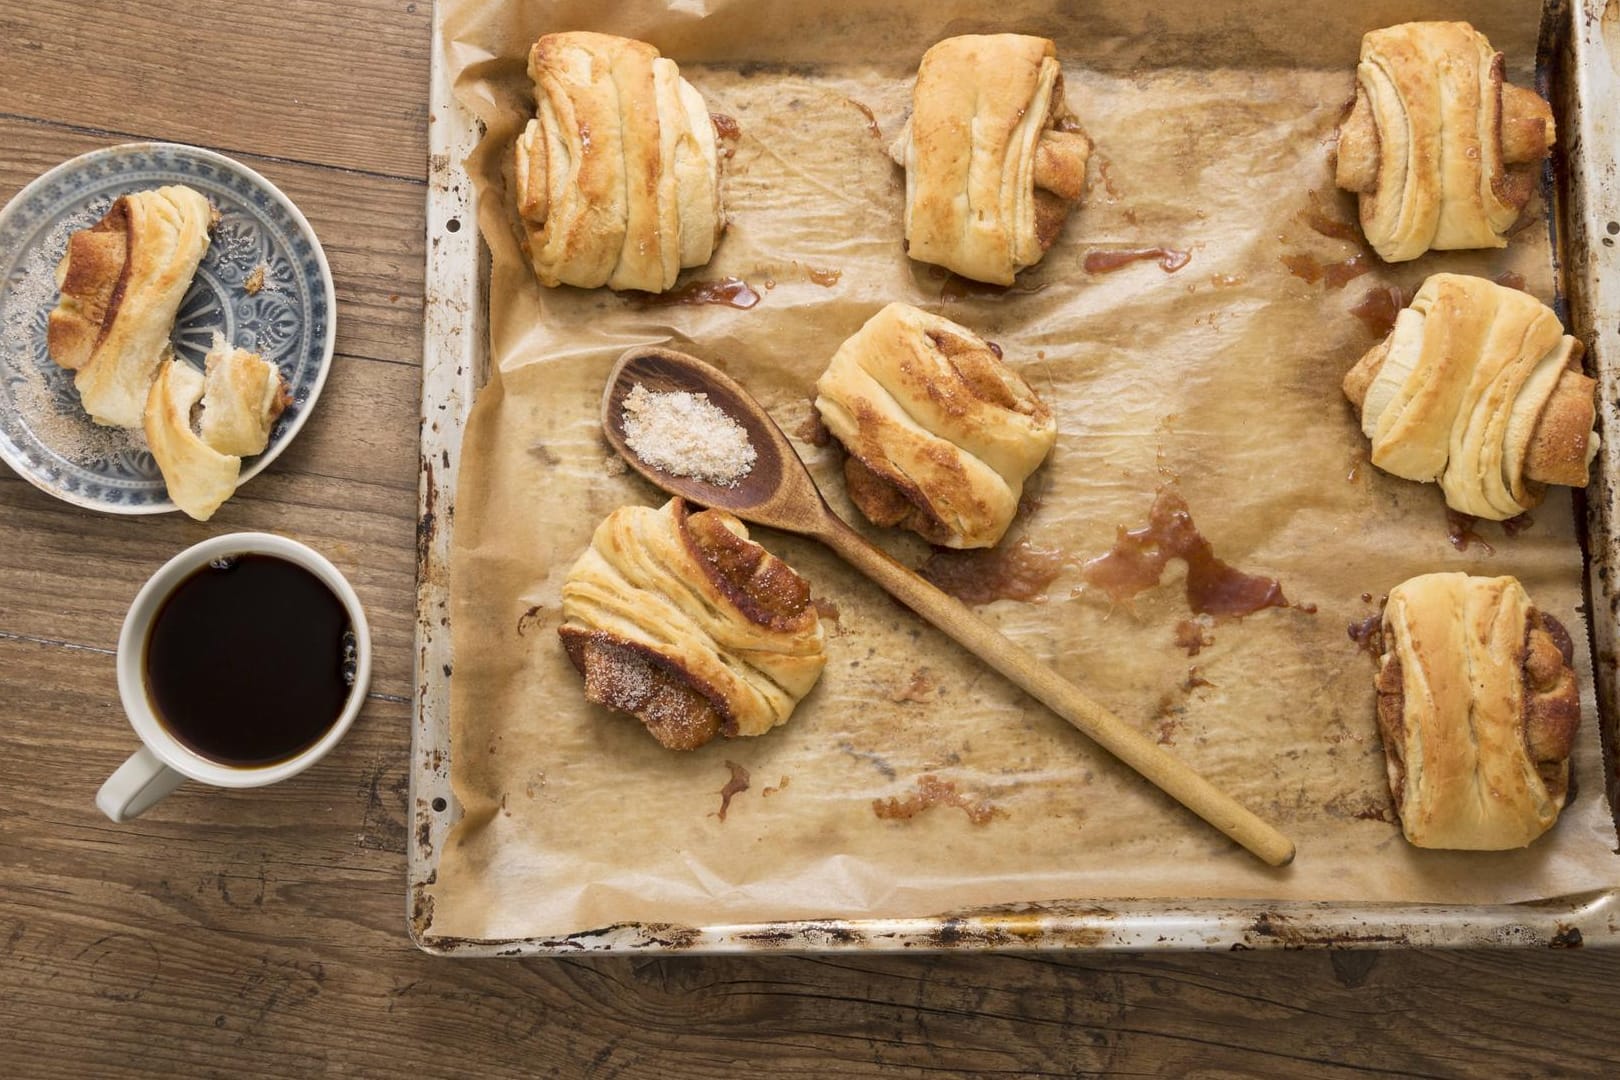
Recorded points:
(250, 660)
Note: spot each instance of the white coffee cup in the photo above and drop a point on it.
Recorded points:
(163, 763)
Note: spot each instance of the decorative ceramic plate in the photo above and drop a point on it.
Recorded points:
(45, 434)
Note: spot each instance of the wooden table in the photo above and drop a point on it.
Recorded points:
(263, 932)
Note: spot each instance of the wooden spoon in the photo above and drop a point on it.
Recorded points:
(779, 493)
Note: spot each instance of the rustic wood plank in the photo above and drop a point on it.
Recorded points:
(73, 733)
(334, 84)
(346, 486)
(372, 230)
(262, 931)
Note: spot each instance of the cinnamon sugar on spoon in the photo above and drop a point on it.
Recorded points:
(686, 434)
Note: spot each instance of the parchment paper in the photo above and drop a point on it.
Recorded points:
(1212, 129)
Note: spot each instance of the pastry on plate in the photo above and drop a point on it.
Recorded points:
(1479, 388)
(1477, 707)
(122, 281)
(617, 177)
(243, 394)
(941, 434)
(199, 478)
(239, 399)
(677, 617)
(1442, 150)
(994, 160)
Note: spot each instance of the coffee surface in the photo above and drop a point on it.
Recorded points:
(250, 660)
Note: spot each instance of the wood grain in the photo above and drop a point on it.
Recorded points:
(262, 932)
(346, 486)
(331, 84)
(371, 230)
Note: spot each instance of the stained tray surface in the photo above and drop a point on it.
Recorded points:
(454, 368)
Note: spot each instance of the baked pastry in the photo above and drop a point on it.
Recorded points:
(1478, 707)
(941, 434)
(238, 401)
(617, 177)
(122, 281)
(199, 478)
(1442, 150)
(994, 160)
(1478, 387)
(678, 618)
(243, 394)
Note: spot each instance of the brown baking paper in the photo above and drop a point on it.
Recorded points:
(1213, 129)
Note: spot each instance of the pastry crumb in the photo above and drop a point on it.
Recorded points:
(254, 281)
(921, 688)
(932, 791)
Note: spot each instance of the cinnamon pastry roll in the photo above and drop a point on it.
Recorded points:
(1478, 707)
(617, 177)
(994, 160)
(941, 434)
(678, 618)
(1478, 387)
(122, 281)
(1441, 149)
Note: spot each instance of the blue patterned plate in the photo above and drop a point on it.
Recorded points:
(44, 433)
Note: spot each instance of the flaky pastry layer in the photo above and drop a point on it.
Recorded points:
(1440, 148)
(1479, 388)
(994, 160)
(1478, 707)
(617, 177)
(941, 433)
(122, 282)
(678, 618)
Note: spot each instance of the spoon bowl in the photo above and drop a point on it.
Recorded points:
(778, 492)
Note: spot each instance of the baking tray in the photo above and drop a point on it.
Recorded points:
(1580, 51)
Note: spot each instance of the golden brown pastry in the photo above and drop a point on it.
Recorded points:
(1478, 387)
(243, 394)
(994, 160)
(1478, 707)
(941, 434)
(199, 427)
(122, 281)
(1442, 151)
(199, 478)
(617, 177)
(678, 618)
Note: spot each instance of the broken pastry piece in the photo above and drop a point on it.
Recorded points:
(122, 281)
(243, 394)
(679, 619)
(994, 160)
(199, 478)
(941, 434)
(617, 178)
(240, 399)
(1478, 707)
(1443, 152)
(1479, 388)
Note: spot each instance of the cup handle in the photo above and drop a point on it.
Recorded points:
(137, 786)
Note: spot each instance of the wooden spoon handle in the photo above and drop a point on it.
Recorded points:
(1147, 757)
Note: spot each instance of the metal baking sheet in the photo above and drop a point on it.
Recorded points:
(1581, 47)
